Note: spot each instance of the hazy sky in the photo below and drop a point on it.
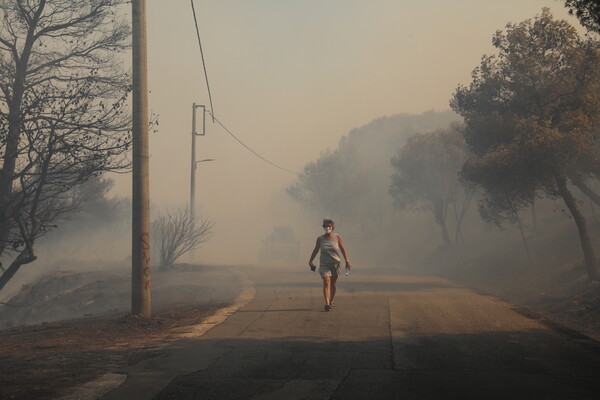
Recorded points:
(290, 78)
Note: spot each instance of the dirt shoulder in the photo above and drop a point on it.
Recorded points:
(45, 361)
(557, 288)
(564, 294)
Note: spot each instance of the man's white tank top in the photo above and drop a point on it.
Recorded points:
(330, 250)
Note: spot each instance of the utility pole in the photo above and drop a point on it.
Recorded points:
(193, 166)
(194, 162)
(140, 246)
(193, 169)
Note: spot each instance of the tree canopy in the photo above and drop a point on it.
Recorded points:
(531, 117)
(63, 114)
(426, 174)
(588, 12)
(350, 183)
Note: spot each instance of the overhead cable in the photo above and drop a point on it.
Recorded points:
(211, 112)
(249, 149)
(202, 55)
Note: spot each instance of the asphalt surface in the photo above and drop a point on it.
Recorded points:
(390, 337)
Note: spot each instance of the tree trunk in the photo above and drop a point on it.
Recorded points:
(533, 216)
(594, 213)
(445, 234)
(13, 133)
(440, 218)
(25, 257)
(584, 234)
(587, 191)
(468, 196)
(7, 172)
(457, 233)
(523, 238)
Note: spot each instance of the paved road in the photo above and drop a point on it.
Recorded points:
(391, 337)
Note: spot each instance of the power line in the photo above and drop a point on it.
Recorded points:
(249, 149)
(202, 55)
(211, 112)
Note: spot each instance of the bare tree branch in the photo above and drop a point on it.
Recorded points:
(63, 112)
(176, 233)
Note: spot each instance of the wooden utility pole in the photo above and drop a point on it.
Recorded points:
(140, 246)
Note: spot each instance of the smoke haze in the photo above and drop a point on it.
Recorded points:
(290, 79)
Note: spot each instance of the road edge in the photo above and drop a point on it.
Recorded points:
(95, 389)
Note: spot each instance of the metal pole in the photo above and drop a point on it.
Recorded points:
(193, 172)
(140, 245)
(194, 162)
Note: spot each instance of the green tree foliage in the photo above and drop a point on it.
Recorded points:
(334, 177)
(588, 12)
(426, 177)
(531, 115)
(63, 115)
(350, 183)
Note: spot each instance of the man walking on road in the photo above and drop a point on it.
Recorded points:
(331, 246)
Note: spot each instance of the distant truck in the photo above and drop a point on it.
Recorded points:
(280, 246)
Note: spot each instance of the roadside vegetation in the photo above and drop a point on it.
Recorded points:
(177, 232)
(506, 180)
(504, 190)
(63, 114)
